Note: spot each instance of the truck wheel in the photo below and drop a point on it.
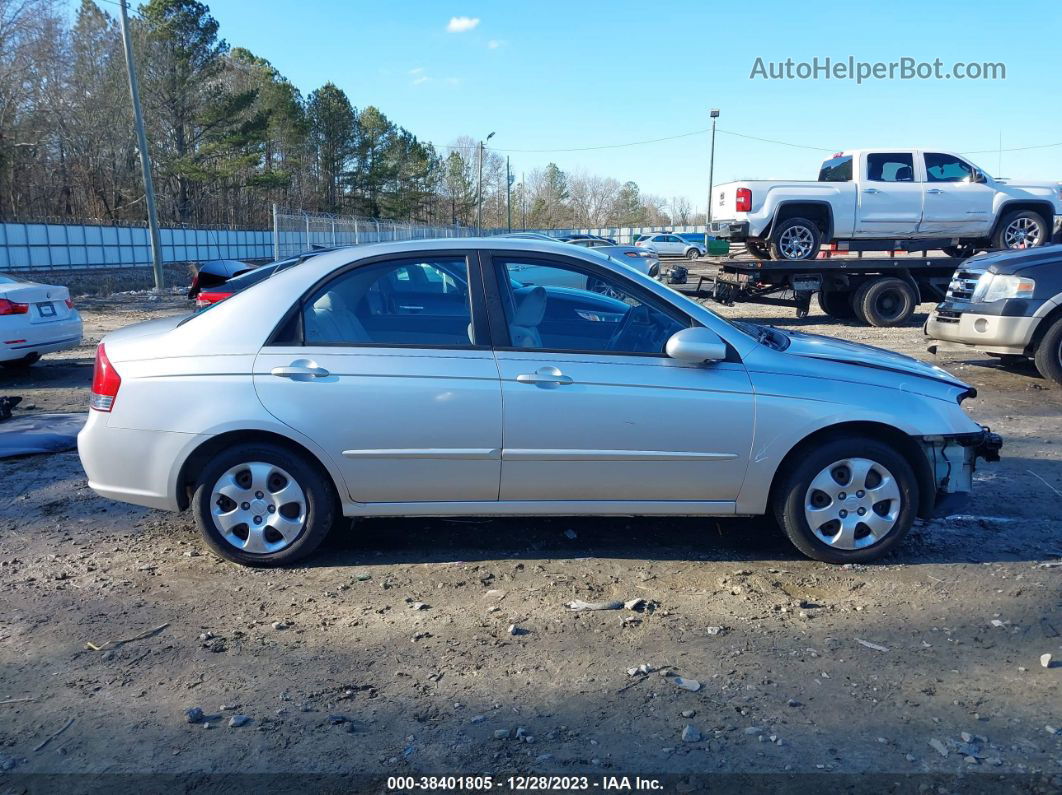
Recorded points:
(1049, 354)
(1020, 229)
(758, 249)
(886, 302)
(836, 304)
(849, 500)
(795, 239)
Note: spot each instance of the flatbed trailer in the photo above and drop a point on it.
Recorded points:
(876, 290)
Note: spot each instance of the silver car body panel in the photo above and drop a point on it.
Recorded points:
(409, 431)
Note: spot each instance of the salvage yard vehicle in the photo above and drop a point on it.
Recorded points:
(35, 319)
(668, 244)
(641, 258)
(346, 387)
(1007, 304)
(870, 198)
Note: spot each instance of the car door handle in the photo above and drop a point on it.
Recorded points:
(545, 375)
(934, 190)
(299, 372)
(871, 190)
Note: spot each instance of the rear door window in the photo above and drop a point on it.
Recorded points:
(886, 167)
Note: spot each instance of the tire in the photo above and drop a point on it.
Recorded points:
(1021, 229)
(886, 302)
(795, 239)
(305, 519)
(796, 497)
(28, 360)
(836, 304)
(1049, 354)
(693, 254)
(758, 249)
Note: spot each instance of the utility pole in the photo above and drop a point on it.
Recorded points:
(145, 156)
(508, 195)
(714, 113)
(479, 189)
(523, 201)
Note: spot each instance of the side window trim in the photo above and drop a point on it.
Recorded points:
(492, 261)
(473, 270)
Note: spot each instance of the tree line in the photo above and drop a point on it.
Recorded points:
(230, 136)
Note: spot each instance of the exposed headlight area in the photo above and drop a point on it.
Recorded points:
(996, 287)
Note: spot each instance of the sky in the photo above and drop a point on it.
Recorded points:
(546, 75)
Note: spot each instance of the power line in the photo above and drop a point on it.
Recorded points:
(1013, 149)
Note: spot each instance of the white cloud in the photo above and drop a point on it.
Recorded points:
(421, 79)
(418, 70)
(462, 24)
(495, 44)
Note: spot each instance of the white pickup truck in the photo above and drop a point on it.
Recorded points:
(870, 199)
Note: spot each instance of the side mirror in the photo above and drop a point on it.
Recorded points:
(696, 346)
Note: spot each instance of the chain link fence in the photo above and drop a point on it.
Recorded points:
(295, 232)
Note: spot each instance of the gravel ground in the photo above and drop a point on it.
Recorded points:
(391, 651)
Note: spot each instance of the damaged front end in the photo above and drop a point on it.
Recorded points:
(952, 460)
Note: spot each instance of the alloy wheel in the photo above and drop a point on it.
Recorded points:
(1022, 233)
(796, 242)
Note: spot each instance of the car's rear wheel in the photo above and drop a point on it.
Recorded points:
(795, 239)
(1049, 354)
(26, 361)
(847, 501)
(262, 504)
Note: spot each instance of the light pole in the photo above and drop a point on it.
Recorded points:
(508, 195)
(145, 155)
(479, 188)
(714, 114)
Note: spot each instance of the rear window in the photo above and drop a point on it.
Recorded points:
(836, 169)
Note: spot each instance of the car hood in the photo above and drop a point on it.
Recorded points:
(816, 346)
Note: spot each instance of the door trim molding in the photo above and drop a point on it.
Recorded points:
(517, 454)
(431, 453)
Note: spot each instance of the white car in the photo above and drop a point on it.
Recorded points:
(864, 196)
(427, 378)
(668, 244)
(35, 319)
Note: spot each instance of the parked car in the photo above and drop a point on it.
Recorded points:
(573, 238)
(35, 319)
(883, 195)
(350, 386)
(643, 258)
(1007, 304)
(668, 244)
(211, 284)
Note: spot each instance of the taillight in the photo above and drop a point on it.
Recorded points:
(209, 297)
(105, 382)
(743, 200)
(69, 303)
(11, 308)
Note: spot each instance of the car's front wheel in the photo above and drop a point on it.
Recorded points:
(692, 253)
(848, 500)
(262, 504)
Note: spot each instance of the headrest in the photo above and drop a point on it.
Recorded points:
(530, 307)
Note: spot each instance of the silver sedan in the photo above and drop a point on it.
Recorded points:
(504, 376)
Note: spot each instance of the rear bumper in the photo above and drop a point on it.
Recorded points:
(134, 466)
(736, 231)
(41, 338)
(950, 329)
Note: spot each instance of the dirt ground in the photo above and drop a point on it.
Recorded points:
(390, 651)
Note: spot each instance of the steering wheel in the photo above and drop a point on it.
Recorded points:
(635, 316)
